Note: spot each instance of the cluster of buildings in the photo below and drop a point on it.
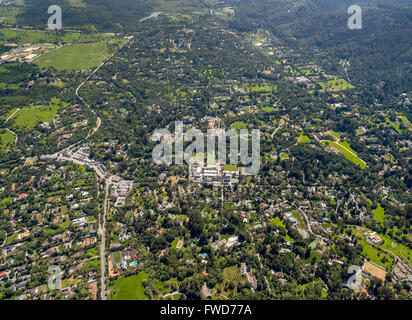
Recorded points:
(8, 2)
(27, 53)
(249, 275)
(226, 243)
(213, 174)
(120, 189)
(65, 248)
(402, 271)
(372, 237)
(127, 259)
(81, 156)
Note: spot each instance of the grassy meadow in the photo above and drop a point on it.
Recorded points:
(77, 56)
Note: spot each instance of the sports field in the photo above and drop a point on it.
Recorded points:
(375, 271)
(129, 288)
(78, 56)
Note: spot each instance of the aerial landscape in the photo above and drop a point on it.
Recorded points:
(205, 150)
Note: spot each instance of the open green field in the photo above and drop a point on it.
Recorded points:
(305, 72)
(313, 256)
(336, 85)
(28, 117)
(299, 218)
(92, 252)
(359, 132)
(347, 152)
(8, 114)
(279, 223)
(397, 124)
(6, 86)
(230, 167)
(379, 214)
(77, 3)
(284, 156)
(78, 56)
(405, 120)
(117, 257)
(399, 249)
(93, 263)
(303, 138)
(129, 288)
(260, 89)
(372, 253)
(238, 125)
(60, 227)
(6, 138)
(268, 109)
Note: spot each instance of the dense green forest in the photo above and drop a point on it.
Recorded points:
(378, 52)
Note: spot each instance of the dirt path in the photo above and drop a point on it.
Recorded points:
(12, 115)
(343, 147)
(15, 135)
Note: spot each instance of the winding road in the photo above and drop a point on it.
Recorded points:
(59, 156)
(308, 224)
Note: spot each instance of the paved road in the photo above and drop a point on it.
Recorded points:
(102, 231)
(308, 224)
(171, 294)
(59, 157)
(99, 172)
(261, 265)
(281, 123)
